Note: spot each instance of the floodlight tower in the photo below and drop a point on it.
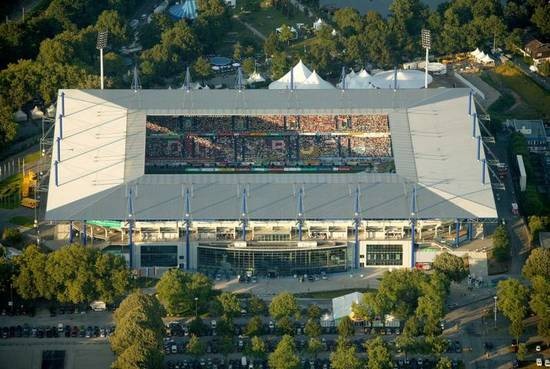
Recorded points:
(101, 44)
(427, 44)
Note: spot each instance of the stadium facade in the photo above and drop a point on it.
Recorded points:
(287, 198)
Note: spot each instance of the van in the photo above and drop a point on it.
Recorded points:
(98, 306)
(243, 361)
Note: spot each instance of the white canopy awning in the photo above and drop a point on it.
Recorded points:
(36, 113)
(19, 116)
(255, 78)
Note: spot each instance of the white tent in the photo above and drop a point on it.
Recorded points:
(51, 111)
(300, 74)
(361, 80)
(314, 82)
(318, 24)
(19, 116)
(487, 60)
(36, 113)
(255, 78)
(476, 52)
(406, 79)
(437, 68)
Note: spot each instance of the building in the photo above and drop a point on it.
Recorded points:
(274, 182)
(544, 239)
(538, 51)
(533, 131)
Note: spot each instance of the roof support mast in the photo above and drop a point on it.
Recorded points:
(244, 214)
(300, 207)
(187, 221)
(413, 223)
(356, 225)
(130, 226)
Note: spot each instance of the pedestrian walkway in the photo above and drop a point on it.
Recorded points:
(252, 29)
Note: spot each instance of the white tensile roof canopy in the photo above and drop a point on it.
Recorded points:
(314, 81)
(406, 79)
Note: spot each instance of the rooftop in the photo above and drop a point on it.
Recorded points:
(103, 152)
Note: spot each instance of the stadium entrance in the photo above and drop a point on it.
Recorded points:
(268, 144)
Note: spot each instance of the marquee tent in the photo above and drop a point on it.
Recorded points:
(300, 73)
(255, 78)
(318, 24)
(437, 68)
(475, 53)
(314, 82)
(361, 80)
(406, 79)
(36, 113)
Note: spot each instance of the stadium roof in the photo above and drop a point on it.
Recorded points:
(103, 156)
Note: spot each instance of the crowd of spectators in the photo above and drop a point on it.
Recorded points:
(218, 140)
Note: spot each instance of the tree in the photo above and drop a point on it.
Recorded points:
(249, 66)
(279, 65)
(314, 346)
(285, 34)
(438, 345)
(256, 305)
(378, 353)
(197, 327)
(346, 329)
(348, 21)
(258, 348)
(312, 328)
(285, 325)
(230, 304)
(541, 19)
(451, 266)
(285, 355)
(8, 128)
(344, 357)
(237, 51)
(501, 244)
(254, 327)
(537, 264)
(226, 346)
(138, 339)
(111, 21)
(314, 312)
(540, 304)
(284, 305)
(512, 302)
(194, 347)
(272, 45)
(522, 351)
(407, 343)
(177, 291)
(444, 363)
(137, 356)
(202, 68)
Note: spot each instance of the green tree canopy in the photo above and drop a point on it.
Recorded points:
(194, 347)
(177, 291)
(258, 347)
(230, 304)
(254, 327)
(512, 302)
(256, 305)
(451, 266)
(111, 21)
(284, 305)
(444, 363)
(344, 357)
(314, 346)
(501, 243)
(378, 353)
(202, 68)
(537, 264)
(285, 355)
(312, 328)
(348, 21)
(345, 328)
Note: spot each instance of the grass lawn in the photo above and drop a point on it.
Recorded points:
(266, 20)
(536, 101)
(238, 33)
(22, 221)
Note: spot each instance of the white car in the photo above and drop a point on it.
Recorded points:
(213, 323)
(537, 348)
(539, 361)
(547, 363)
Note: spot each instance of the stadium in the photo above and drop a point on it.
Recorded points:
(271, 182)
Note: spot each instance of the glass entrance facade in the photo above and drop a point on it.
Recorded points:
(280, 262)
(159, 256)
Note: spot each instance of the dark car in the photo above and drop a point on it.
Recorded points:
(67, 331)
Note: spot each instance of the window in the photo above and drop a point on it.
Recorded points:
(384, 254)
(159, 255)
